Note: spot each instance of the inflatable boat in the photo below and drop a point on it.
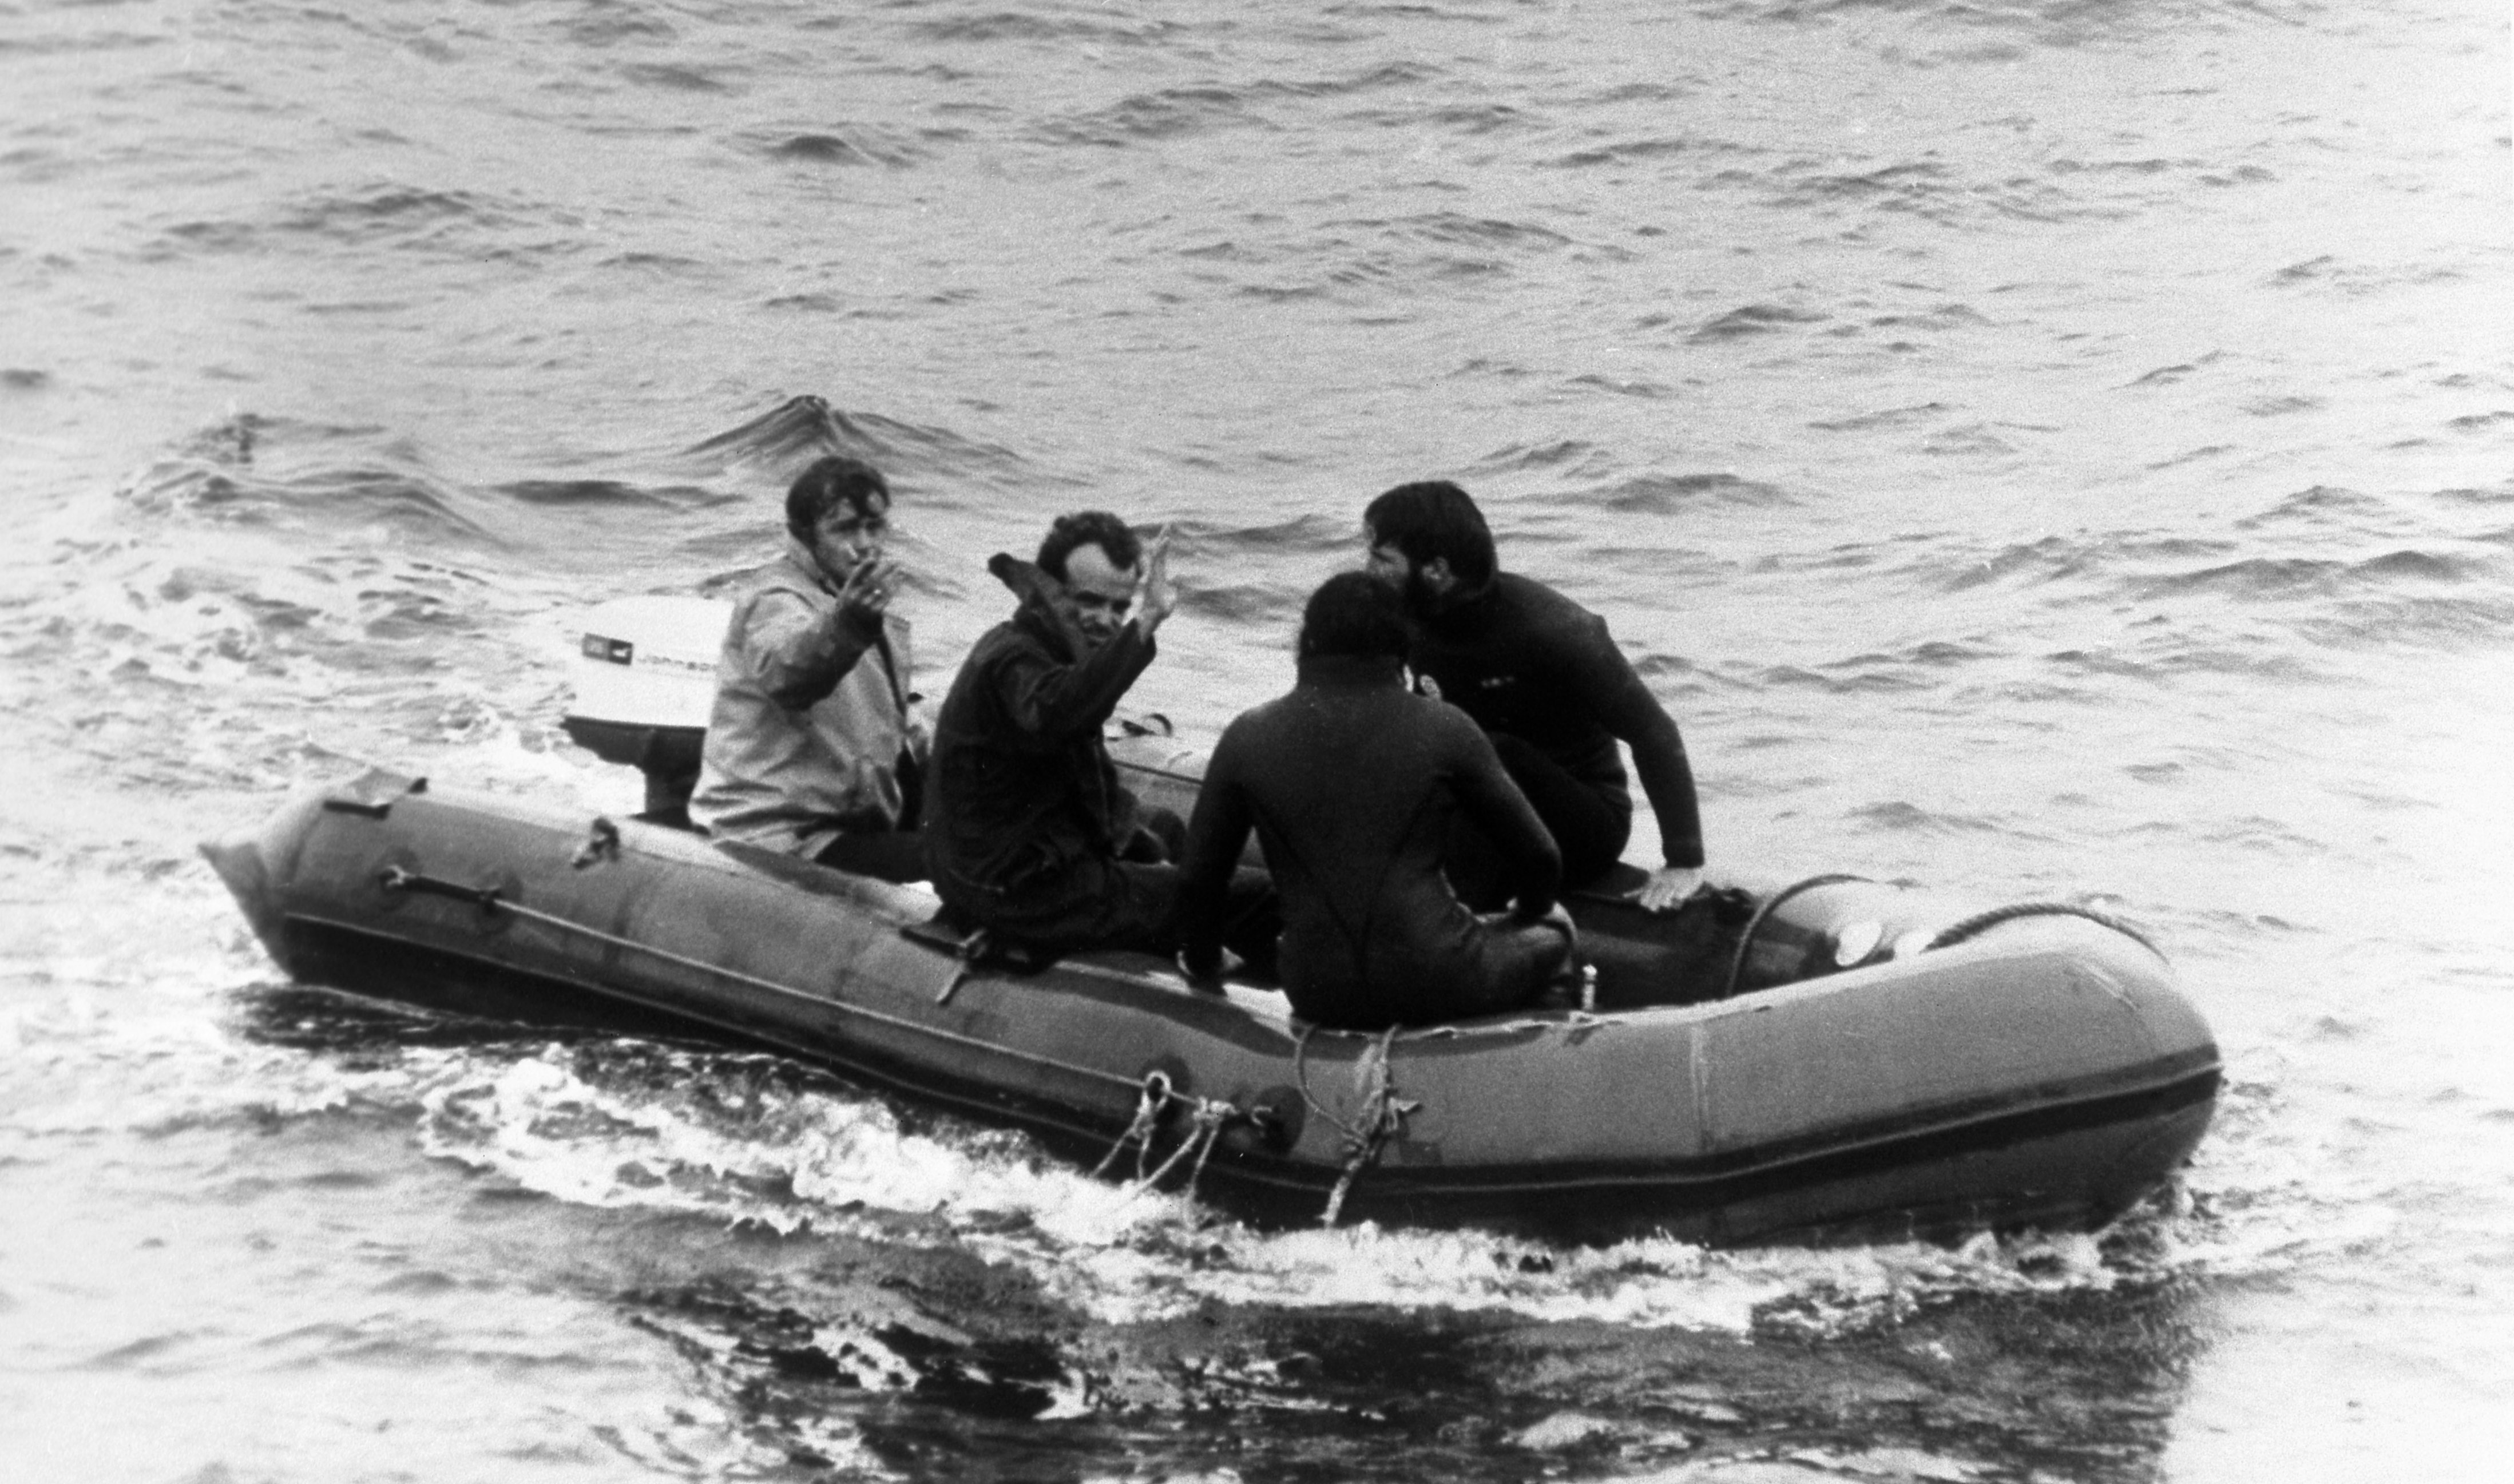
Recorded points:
(1820, 1060)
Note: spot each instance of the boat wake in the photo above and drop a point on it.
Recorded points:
(762, 1142)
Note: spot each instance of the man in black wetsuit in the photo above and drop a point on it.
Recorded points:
(1538, 672)
(1352, 782)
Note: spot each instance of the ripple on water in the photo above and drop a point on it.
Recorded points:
(1676, 494)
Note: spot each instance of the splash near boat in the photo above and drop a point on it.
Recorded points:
(1822, 1060)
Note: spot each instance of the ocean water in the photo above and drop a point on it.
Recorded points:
(2035, 446)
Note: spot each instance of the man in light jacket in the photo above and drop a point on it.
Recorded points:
(813, 749)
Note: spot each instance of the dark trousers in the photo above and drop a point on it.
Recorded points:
(1589, 827)
(886, 855)
(1105, 903)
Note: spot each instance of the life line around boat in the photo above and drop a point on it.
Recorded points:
(1982, 922)
(1762, 914)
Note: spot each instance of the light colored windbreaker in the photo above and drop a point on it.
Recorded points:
(811, 715)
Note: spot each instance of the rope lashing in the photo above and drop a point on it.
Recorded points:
(1204, 1128)
(1149, 1107)
(1982, 922)
(1383, 1113)
(1222, 1115)
(1207, 1117)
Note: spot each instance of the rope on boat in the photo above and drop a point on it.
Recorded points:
(1982, 922)
(1383, 1113)
(1207, 1118)
(1969, 928)
(1763, 913)
(1222, 1115)
(1155, 1100)
(1204, 1130)
(1154, 1093)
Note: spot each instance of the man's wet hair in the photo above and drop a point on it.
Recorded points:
(1354, 613)
(1434, 518)
(831, 480)
(1088, 528)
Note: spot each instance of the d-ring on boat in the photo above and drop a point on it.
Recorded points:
(1823, 1059)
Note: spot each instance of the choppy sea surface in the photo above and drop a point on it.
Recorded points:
(2037, 448)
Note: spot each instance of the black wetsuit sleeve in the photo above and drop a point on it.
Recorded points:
(1052, 701)
(1493, 804)
(1215, 836)
(1624, 706)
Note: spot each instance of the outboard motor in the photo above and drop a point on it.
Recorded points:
(644, 680)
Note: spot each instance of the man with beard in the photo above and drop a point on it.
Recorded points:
(1538, 672)
(811, 747)
(1032, 836)
(1352, 782)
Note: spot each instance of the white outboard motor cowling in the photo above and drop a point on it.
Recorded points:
(643, 683)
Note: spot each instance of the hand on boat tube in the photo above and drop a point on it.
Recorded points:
(1669, 888)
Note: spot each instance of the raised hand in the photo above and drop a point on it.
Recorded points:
(866, 592)
(1160, 595)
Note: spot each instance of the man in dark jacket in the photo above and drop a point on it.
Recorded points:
(1351, 783)
(1029, 831)
(1538, 672)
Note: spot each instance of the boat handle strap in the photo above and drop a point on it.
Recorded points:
(400, 878)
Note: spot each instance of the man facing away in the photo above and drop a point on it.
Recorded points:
(1030, 834)
(811, 747)
(1352, 783)
(1538, 672)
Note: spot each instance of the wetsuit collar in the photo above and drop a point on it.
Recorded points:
(1351, 672)
(1460, 600)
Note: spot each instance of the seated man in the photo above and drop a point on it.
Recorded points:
(811, 749)
(1351, 783)
(1539, 674)
(1030, 836)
